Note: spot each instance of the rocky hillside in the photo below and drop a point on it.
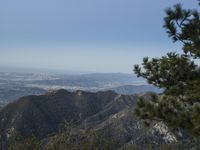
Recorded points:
(105, 112)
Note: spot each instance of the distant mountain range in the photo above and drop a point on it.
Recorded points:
(41, 115)
(135, 89)
(16, 85)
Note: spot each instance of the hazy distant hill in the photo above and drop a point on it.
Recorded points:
(101, 111)
(134, 89)
(92, 81)
(9, 94)
(16, 85)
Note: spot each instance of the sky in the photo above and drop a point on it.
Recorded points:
(83, 35)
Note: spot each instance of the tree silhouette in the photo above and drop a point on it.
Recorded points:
(177, 74)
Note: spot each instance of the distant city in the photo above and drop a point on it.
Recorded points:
(14, 85)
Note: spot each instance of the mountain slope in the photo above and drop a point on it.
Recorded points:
(41, 115)
(107, 112)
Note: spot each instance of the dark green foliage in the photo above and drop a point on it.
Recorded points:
(177, 74)
(131, 147)
(97, 141)
(168, 71)
(184, 26)
(70, 139)
(21, 143)
(65, 139)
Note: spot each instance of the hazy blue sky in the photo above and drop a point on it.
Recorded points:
(83, 35)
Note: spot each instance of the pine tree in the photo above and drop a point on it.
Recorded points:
(177, 74)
